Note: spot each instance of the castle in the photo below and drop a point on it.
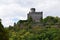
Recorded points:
(37, 19)
(36, 16)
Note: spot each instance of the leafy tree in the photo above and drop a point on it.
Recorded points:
(50, 20)
(3, 32)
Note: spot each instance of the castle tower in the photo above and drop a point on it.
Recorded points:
(36, 16)
(32, 10)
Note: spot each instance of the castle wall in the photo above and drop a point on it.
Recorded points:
(36, 16)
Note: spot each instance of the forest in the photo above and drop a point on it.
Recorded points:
(26, 30)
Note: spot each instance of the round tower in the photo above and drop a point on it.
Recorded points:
(32, 9)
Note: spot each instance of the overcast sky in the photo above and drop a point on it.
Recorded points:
(13, 10)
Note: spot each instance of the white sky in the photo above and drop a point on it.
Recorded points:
(13, 10)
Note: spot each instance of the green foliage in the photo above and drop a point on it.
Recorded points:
(3, 33)
(50, 20)
(30, 32)
(30, 19)
(36, 34)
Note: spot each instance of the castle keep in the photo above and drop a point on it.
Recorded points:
(36, 16)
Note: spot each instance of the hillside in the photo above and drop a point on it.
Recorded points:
(50, 30)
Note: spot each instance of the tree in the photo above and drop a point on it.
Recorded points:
(30, 20)
(50, 20)
(3, 32)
